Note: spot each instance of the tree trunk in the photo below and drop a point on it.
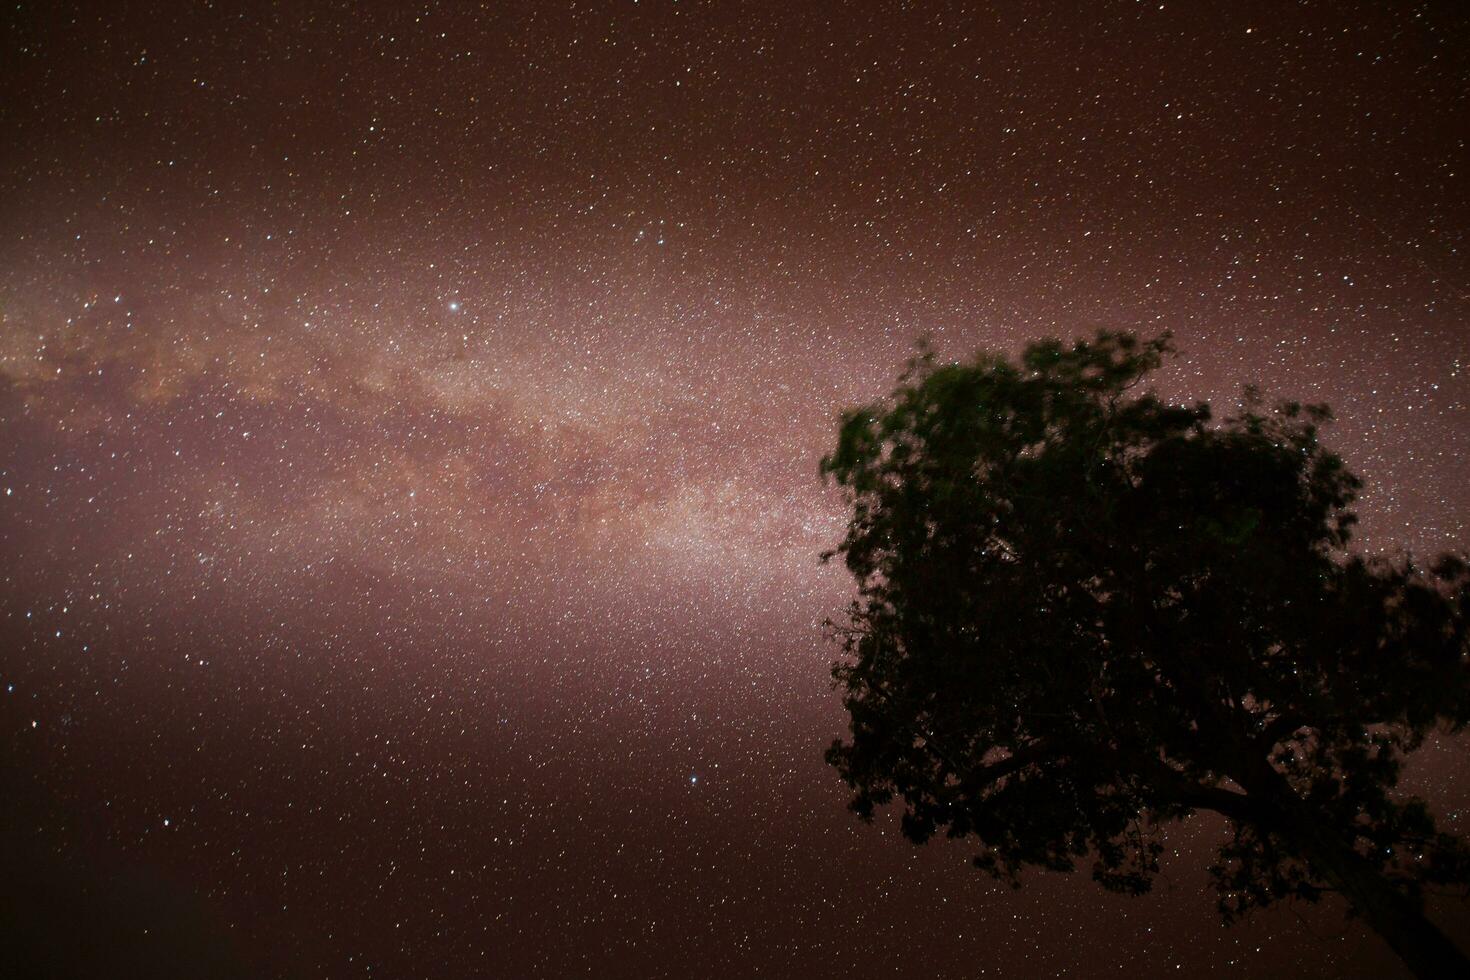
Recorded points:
(1396, 917)
(1385, 907)
(1420, 944)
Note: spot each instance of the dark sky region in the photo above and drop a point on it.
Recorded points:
(409, 417)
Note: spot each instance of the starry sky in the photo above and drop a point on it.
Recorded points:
(409, 424)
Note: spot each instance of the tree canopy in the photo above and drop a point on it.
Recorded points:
(1084, 612)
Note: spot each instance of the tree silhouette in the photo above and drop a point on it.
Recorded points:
(1084, 613)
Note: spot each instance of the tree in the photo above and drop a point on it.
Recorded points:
(1083, 613)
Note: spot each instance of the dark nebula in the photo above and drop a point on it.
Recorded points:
(409, 423)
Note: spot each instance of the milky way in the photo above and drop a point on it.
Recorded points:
(409, 424)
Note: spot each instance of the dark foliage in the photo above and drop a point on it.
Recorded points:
(1084, 612)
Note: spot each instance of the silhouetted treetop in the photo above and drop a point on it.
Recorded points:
(1084, 612)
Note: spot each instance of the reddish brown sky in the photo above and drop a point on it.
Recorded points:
(409, 418)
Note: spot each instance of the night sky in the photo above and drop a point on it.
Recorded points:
(409, 425)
